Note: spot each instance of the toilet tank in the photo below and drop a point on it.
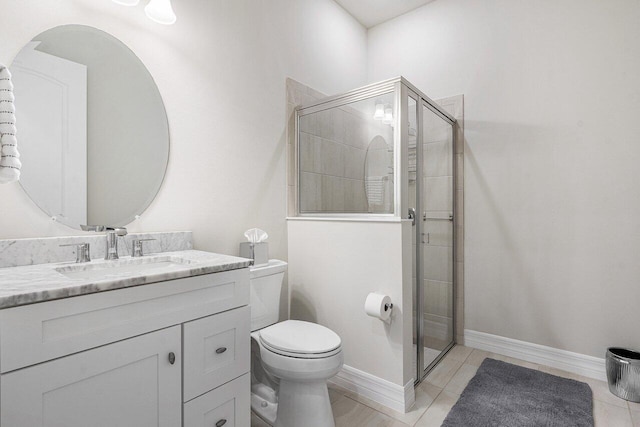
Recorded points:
(265, 287)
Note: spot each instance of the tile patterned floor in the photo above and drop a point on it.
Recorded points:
(439, 392)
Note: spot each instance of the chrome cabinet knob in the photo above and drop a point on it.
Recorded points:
(221, 350)
(221, 423)
(172, 358)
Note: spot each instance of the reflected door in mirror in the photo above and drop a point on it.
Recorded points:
(52, 92)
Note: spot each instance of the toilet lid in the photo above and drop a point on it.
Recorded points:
(298, 337)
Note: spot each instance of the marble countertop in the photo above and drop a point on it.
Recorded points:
(45, 282)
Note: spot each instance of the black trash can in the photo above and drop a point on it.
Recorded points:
(623, 373)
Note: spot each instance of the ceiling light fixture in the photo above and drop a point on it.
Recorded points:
(388, 115)
(127, 2)
(379, 114)
(161, 12)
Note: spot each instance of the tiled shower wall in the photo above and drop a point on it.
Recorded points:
(333, 147)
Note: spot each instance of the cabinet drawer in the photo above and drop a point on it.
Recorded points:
(227, 406)
(216, 350)
(131, 383)
(36, 333)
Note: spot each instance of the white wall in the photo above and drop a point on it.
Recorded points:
(552, 101)
(221, 70)
(333, 265)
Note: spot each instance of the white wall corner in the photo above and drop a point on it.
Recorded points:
(381, 391)
(581, 364)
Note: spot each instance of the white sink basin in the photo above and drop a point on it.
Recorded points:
(122, 268)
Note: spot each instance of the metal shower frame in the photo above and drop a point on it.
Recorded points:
(402, 90)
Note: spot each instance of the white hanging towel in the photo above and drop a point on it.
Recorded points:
(10, 161)
(374, 186)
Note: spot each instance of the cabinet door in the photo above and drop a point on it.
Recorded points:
(227, 406)
(131, 383)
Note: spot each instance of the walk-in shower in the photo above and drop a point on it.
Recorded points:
(385, 152)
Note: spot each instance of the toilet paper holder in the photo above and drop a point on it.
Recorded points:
(378, 305)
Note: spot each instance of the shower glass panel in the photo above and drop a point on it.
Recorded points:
(346, 158)
(436, 249)
(384, 152)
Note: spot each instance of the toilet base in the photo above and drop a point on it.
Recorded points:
(304, 404)
(264, 409)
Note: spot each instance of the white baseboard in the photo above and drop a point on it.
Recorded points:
(581, 364)
(381, 391)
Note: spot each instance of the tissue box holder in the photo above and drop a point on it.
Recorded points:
(259, 252)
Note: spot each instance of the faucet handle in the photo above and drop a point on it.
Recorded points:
(82, 251)
(136, 244)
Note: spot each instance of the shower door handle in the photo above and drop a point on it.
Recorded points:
(412, 216)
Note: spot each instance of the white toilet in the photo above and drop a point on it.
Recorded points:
(291, 361)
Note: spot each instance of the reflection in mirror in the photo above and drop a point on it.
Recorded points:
(378, 176)
(93, 128)
(334, 146)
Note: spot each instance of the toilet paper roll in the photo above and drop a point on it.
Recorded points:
(378, 305)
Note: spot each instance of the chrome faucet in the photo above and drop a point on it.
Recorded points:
(111, 249)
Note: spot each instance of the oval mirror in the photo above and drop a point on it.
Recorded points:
(92, 127)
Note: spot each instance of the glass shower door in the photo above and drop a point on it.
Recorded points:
(435, 234)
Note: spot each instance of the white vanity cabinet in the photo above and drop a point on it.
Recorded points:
(160, 355)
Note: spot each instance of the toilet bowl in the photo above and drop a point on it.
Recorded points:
(291, 361)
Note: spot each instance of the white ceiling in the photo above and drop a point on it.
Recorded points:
(373, 12)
